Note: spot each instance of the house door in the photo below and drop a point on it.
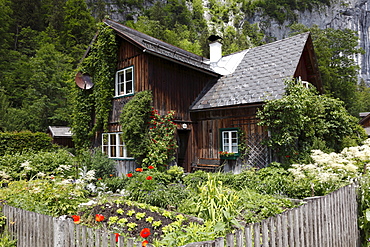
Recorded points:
(182, 142)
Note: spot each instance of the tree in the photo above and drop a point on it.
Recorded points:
(335, 50)
(78, 27)
(302, 120)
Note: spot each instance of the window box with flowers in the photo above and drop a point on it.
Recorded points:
(224, 155)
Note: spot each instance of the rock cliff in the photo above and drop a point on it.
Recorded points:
(352, 14)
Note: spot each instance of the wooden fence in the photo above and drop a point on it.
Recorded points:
(31, 229)
(328, 221)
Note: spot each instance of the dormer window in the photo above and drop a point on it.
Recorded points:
(124, 82)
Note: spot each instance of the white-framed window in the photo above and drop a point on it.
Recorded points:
(113, 145)
(124, 82)
(229, 140)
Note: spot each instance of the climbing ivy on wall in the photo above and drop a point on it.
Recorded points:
(149, 136)
(91, 107)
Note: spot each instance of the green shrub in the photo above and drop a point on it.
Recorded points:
(36, 164)
(193, 180)
(97, 161)
(115, 184)
(18, 142)
(48, 197)
(6, 240)
(364, 209)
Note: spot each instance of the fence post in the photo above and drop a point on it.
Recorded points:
(59, 233)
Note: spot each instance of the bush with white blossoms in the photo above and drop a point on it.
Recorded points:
(334, 170)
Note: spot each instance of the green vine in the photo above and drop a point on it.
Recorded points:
(242, 146)
(162, 144)
(148, 136)
(92, 107)
(134, 120)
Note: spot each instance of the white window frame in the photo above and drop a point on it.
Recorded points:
(114, 147)
(124, 82)
(230, 140)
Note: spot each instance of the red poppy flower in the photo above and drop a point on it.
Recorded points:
(117, 235)
(145, 233)
(149, 178)
(150, 167)
(99, 217)
(144, 243)
(139, 169)
(99, 178)
(76, 219)
(129, 175)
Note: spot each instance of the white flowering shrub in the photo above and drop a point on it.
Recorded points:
(332, 171)
(37, 165)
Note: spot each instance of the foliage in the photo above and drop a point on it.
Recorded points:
(158, 191)
(148, 136)
(134, 120)
(97, 161)
(35, 64)
(302, 117)
(336, 51)
(162, 143)
(17, 142)
(214, 202)
(48, 197)
(364, 209)
(91, 110)
(36, 164)
(6, 240)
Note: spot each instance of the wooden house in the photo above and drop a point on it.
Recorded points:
(213, 98)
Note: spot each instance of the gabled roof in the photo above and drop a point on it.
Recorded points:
(259, 76)
(159, 48)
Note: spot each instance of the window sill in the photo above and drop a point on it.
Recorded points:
(123, 96)
(115, 158)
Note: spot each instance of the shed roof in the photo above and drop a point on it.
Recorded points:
(60, 131)
(259, 76)
(160, 48)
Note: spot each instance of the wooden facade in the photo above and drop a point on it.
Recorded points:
(174, 87)
(180, 80)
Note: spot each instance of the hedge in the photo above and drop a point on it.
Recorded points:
(18, 142)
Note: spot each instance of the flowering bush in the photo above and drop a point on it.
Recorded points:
(330, 171)
(162, 143)
(50, 197)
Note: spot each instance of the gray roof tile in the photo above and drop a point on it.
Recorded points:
(259, 76)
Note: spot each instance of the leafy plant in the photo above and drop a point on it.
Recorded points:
(101, 65)
(51, 197)
(99, 162)
(134, 121)
(301, 117)
(6, 240)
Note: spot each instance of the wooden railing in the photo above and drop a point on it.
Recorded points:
(325, 221)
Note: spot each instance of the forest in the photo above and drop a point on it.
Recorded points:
(43, 41)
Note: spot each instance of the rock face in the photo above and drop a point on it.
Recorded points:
(352, 14)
